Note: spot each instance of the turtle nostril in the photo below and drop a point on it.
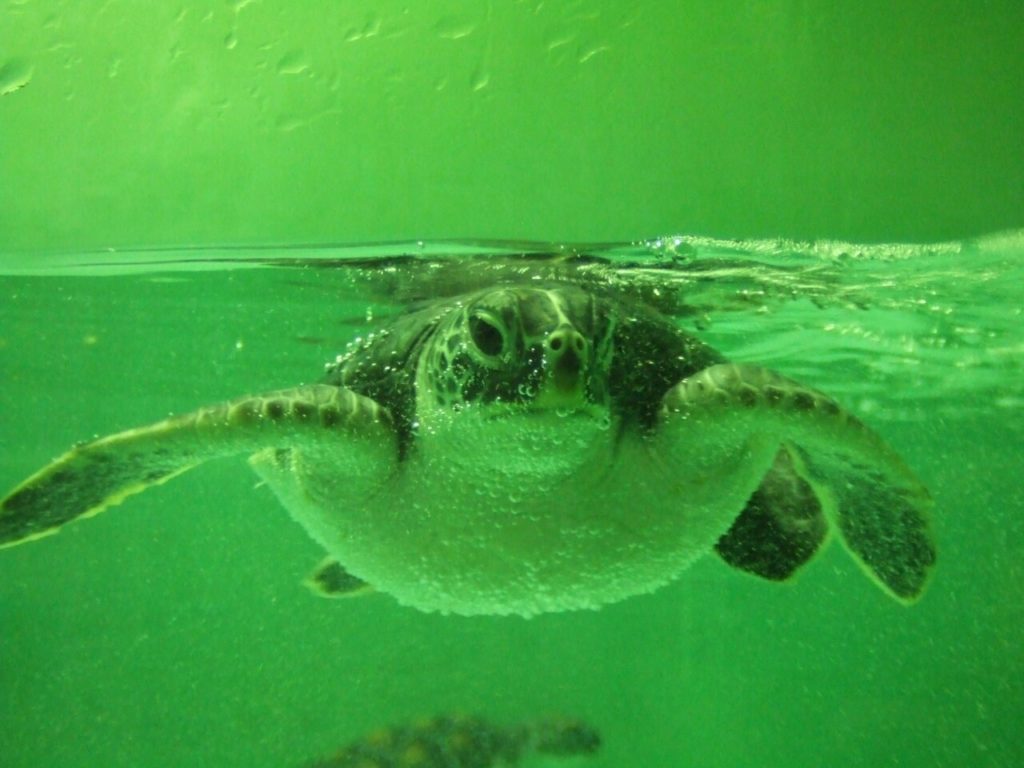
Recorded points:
(555, 343)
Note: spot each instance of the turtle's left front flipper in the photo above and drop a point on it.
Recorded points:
(736, 417)
(99, 474)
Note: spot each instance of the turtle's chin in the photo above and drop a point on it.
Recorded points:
(565, 393)
(557, 399)
(542, 448)
(555, 420)
(555, 409)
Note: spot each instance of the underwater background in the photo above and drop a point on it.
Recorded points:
(199, 200)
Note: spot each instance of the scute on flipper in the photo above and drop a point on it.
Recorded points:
(781, 528)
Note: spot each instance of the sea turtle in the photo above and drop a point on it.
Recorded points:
(528, 448)
(457, 741)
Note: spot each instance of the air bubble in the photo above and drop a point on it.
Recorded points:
(586, 55)
(370, 29)
(15, 75)
(292, 63)
(454, 29)
(559, 40)
(525, 390)
(481, 79)
(288, 123)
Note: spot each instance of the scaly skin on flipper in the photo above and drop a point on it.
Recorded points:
(94, 476)
(878, 505)
(463, 742)
(782, 526)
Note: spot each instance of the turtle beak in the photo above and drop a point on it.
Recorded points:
(566, 356)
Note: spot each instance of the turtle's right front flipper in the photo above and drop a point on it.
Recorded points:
(730, 421)
(99, 474)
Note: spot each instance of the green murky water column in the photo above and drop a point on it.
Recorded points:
(173, 631)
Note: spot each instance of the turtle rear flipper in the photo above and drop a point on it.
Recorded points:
(780, 529)
(94, 476)
(332, 579)
(737, 417)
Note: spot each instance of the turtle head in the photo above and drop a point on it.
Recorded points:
(529, 348)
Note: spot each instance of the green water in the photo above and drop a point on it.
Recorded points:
(174, 630)
(132, 123)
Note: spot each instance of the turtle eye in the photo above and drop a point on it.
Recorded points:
(486, 335)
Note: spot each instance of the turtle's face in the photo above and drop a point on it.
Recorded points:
(520, 347)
